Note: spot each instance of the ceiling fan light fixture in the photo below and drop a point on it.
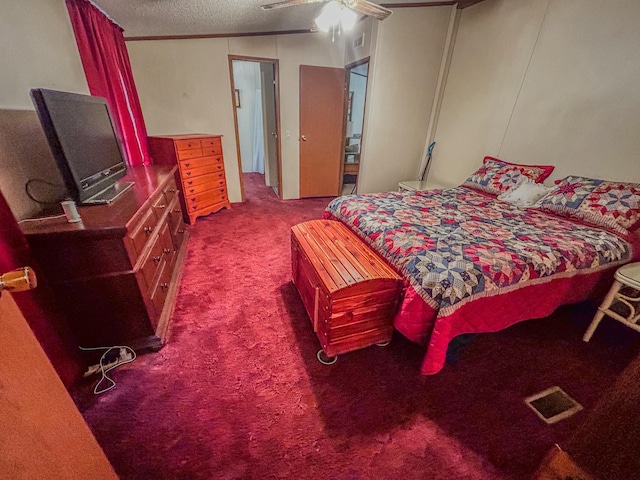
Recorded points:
(334, 13)
(348, 19)
(329, 16)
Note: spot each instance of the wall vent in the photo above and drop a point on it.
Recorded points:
(358, 41)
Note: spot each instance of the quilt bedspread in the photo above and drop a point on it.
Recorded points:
(457, 245)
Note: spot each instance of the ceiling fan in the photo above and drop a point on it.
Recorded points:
(343, 11)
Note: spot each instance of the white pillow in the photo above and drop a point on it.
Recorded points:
(525, 194)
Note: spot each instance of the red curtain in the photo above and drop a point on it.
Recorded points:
(108, 70)
(38, 306)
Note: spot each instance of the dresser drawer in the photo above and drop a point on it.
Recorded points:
(170, 192)
(211, 142)
(187, 154)
(203, 200)
(160, 290)
(176, 225)
(188, 144)
(189, 191)
(210, 178)
(200, 162)
(217, 150)
(196, 172)
(150, 266)
(142, 232)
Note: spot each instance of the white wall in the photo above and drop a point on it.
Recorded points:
(38, 50)
(246, 79)
(185, 87)
(368, 28)
(405, 60)
(543, 81)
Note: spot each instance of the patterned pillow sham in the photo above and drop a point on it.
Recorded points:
(497, 176)
(613, 205)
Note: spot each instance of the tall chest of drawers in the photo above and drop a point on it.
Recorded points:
(200, 171)
(116, 272)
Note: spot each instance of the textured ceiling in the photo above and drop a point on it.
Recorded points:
(141, 18)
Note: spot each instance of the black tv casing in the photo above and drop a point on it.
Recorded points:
(59, 135)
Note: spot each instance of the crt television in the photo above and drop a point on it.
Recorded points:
(84, 144)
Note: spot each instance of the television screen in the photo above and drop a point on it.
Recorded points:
(83, 142)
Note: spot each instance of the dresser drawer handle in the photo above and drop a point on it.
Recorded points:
(187, 165)
(188, 173)
(181, 230)
(156, 259)
(219, 167)
(172, 190)
(193, 199)
(177, 210)
(161, 206)
(195, 207)
(166, 250)
(223, 197)
(148, 230)
(222, 190)
(164, 286)
(189, 182)
(192, 190)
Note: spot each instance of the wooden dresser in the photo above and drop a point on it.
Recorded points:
(200, 170)
(117, 271)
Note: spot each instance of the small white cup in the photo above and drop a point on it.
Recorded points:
(70, 211)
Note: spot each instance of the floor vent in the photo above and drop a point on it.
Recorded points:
(553, 405)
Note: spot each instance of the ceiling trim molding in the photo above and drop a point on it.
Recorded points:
(420, 4)
(216, 35)
(467, 3)
(461, 4)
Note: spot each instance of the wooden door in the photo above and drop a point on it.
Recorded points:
(43, 434)
(267, 71)
(321, 127)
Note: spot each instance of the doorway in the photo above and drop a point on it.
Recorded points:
(255, 97)
(357, 76)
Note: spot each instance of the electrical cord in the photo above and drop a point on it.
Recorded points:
(126, 355)
(40, 219)
(50, 184)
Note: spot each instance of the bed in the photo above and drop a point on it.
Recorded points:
(473, 263)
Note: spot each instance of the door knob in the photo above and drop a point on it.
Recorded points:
(18, 280)
(274, 134)
(304, 138)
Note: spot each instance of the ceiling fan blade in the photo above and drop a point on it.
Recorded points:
(288, 3)
(369, 8)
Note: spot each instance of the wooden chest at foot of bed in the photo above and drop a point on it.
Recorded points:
(350, 294)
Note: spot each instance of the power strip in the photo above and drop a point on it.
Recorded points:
(124, 357)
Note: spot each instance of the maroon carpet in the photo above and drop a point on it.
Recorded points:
(237, 391)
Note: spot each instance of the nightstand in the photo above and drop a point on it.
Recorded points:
(413, 185)
(625, 294)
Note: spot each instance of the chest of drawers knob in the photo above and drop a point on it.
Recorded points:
(156, 258)
(148, 230)
(166, 250)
